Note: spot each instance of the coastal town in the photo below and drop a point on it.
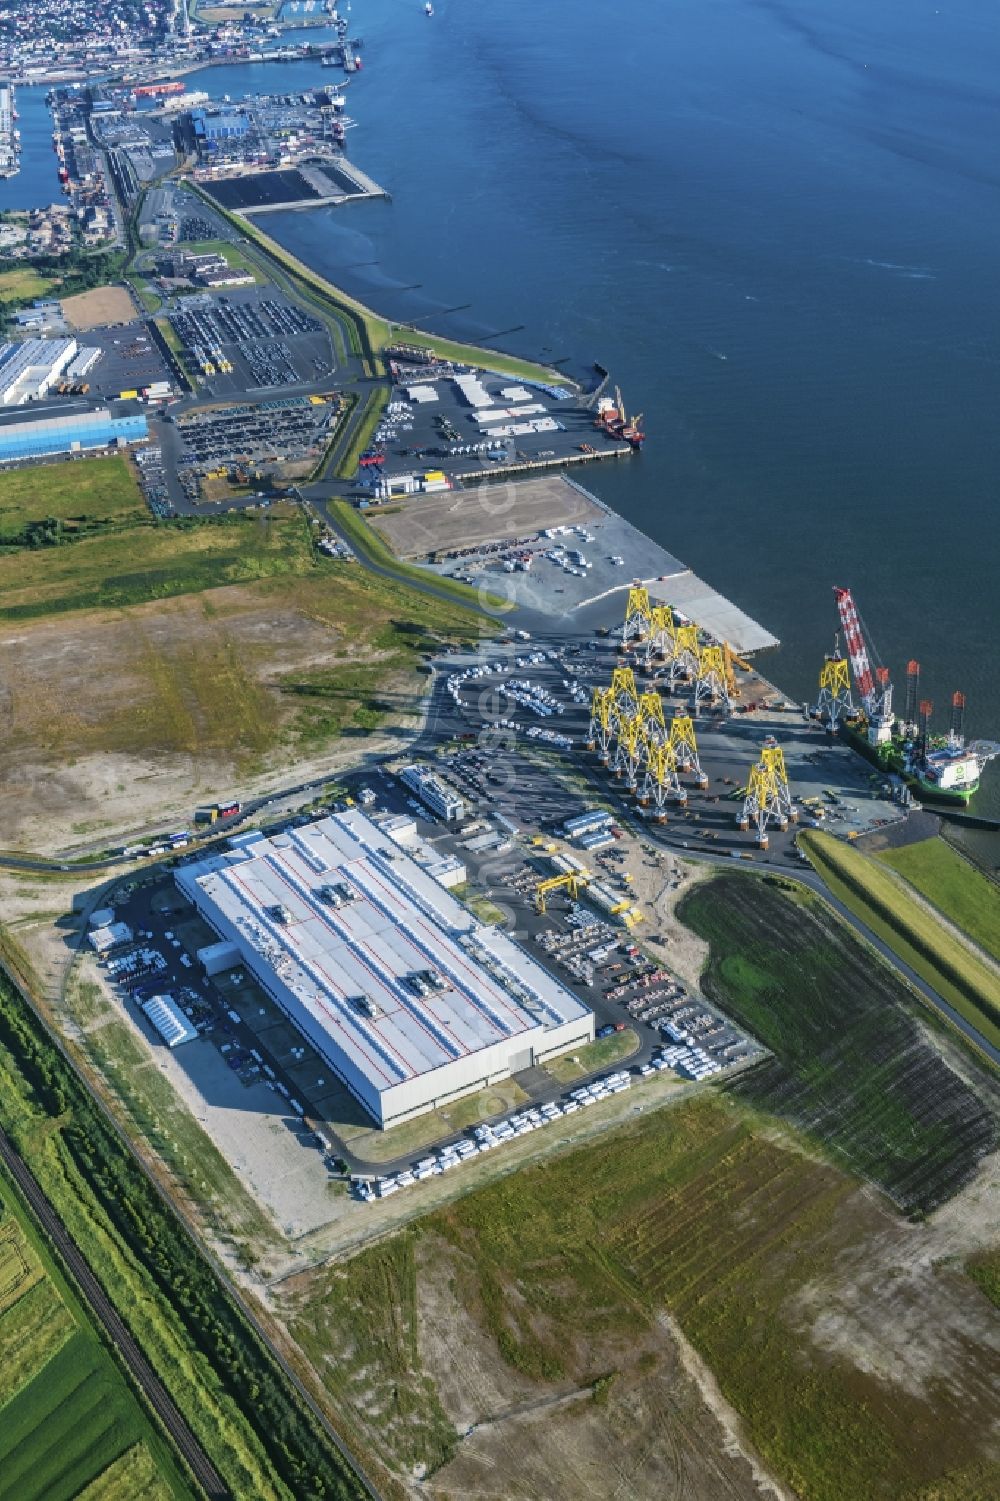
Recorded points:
(460, 1016)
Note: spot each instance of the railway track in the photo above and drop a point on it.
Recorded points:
(93, 1293)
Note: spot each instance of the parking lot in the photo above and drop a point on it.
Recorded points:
(250, 340)
(286, 429)
(129, 359)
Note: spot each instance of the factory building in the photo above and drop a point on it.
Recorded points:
(28, 367)
(70, 432)
(405, 996)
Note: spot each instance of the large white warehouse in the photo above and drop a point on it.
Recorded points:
(408, 998)
(28, 367)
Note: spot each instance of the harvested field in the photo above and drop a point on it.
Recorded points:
(852, 1067)
(103, 305)
(559, 1318)
(484, 513)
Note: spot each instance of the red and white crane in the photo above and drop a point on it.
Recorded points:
(874, 687)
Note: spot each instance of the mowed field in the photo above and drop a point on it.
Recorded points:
(69, 1424)
(82, 492)
(953, 884)
(523, 1342)
(851, 1067)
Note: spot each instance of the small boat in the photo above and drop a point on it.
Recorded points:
(428, 9)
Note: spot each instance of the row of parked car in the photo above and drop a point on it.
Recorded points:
(487, 1137)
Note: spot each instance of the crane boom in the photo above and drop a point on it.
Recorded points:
(856, 650)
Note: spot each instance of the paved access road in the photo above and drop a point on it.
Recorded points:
(97, 1299)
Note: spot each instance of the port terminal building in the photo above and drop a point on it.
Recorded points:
(407, 997)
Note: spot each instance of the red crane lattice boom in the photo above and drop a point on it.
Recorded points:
(857, 652)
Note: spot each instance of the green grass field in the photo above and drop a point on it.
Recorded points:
(22, 283)
(964, 894)
(568, 1265)
(81, 494)
(68, 1417)
(153, 561)
(882, 902)
(851, 1067)
(601, 1053)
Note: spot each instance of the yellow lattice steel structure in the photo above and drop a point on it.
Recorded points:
(651, 714)
(661, 626)
(660, 782)
(768, 799)
(601, 716)
(624, 695)
(835, 704)
(711, 683)
(571, 881)
(682, 654)
(638, 614)
(629, 750)
(685, 748)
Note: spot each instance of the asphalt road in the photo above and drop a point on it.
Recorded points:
(106, 1314)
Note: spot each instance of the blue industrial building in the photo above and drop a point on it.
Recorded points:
(227, 125)
(70, 432)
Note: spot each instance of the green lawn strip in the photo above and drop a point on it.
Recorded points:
(477, 355)
(371, 415)
(260, 1436)
(851, 1065)
(963, 893)
(154, 561)
(600, 1053)
(150, 300)
(435, 1125)
(49, 1445)
(569, 1263)
(371, 546)
(940, 959)
(80, 496)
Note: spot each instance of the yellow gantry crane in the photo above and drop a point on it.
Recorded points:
(572, 881)
(731, 660)
(768, 799)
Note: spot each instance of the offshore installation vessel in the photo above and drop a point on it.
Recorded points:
(938, 768)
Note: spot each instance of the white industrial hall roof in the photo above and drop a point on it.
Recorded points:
(380, 963)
